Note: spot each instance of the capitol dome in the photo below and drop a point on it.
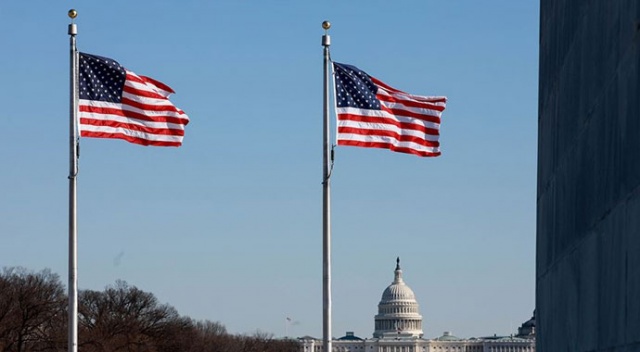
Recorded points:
(398, 314)
(398, 292)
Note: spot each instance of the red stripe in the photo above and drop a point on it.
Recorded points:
(409, 103)
(143, 93)
(417, 97)
(389, 121)
(132, 114)
(407, 113)
(387, 133)
(156, 83)
(388, 146)
(379, 83)
(149, 107)
(132, 127)
(148, 81)
(135, 140)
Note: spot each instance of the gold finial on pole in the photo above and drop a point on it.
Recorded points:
(73, 30)
(326, 39)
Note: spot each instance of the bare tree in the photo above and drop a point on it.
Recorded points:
(122, 318)
(125, 318)
(208, 336)
(210, 328)
(31, 307)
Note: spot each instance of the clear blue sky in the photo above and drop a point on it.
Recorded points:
(228, 226)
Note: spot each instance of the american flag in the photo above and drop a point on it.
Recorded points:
(116, 103)
(374, 115)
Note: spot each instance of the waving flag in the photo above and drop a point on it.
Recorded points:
(116, 103)
(374, 115)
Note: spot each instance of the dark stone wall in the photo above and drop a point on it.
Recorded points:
(588, 212)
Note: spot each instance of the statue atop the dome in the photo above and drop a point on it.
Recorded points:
(398, 263)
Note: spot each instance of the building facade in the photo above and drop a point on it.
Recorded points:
(398, 328)
(588, 198)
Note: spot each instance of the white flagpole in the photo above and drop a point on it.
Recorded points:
(73, 172)
(326, 215)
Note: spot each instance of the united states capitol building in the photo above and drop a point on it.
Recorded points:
(398, 328)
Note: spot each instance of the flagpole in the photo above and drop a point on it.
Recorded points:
(326, 215)
(73, 172)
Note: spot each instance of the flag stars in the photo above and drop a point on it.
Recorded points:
(101, 79)
(355, 88)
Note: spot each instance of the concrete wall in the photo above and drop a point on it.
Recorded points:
(588, 215)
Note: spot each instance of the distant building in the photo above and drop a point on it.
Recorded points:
(528, 328)
(398, 328)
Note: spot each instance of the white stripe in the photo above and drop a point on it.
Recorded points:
(105, 104)
(132, 121)
(384, 114)
(434, 100)
(387, 127)
(132, 133)
(389, 140)
(421, 111)
(164, 93)
(147, 85)
(147, 100)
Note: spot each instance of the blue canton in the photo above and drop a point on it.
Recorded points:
(354, 88)
(101, 78)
